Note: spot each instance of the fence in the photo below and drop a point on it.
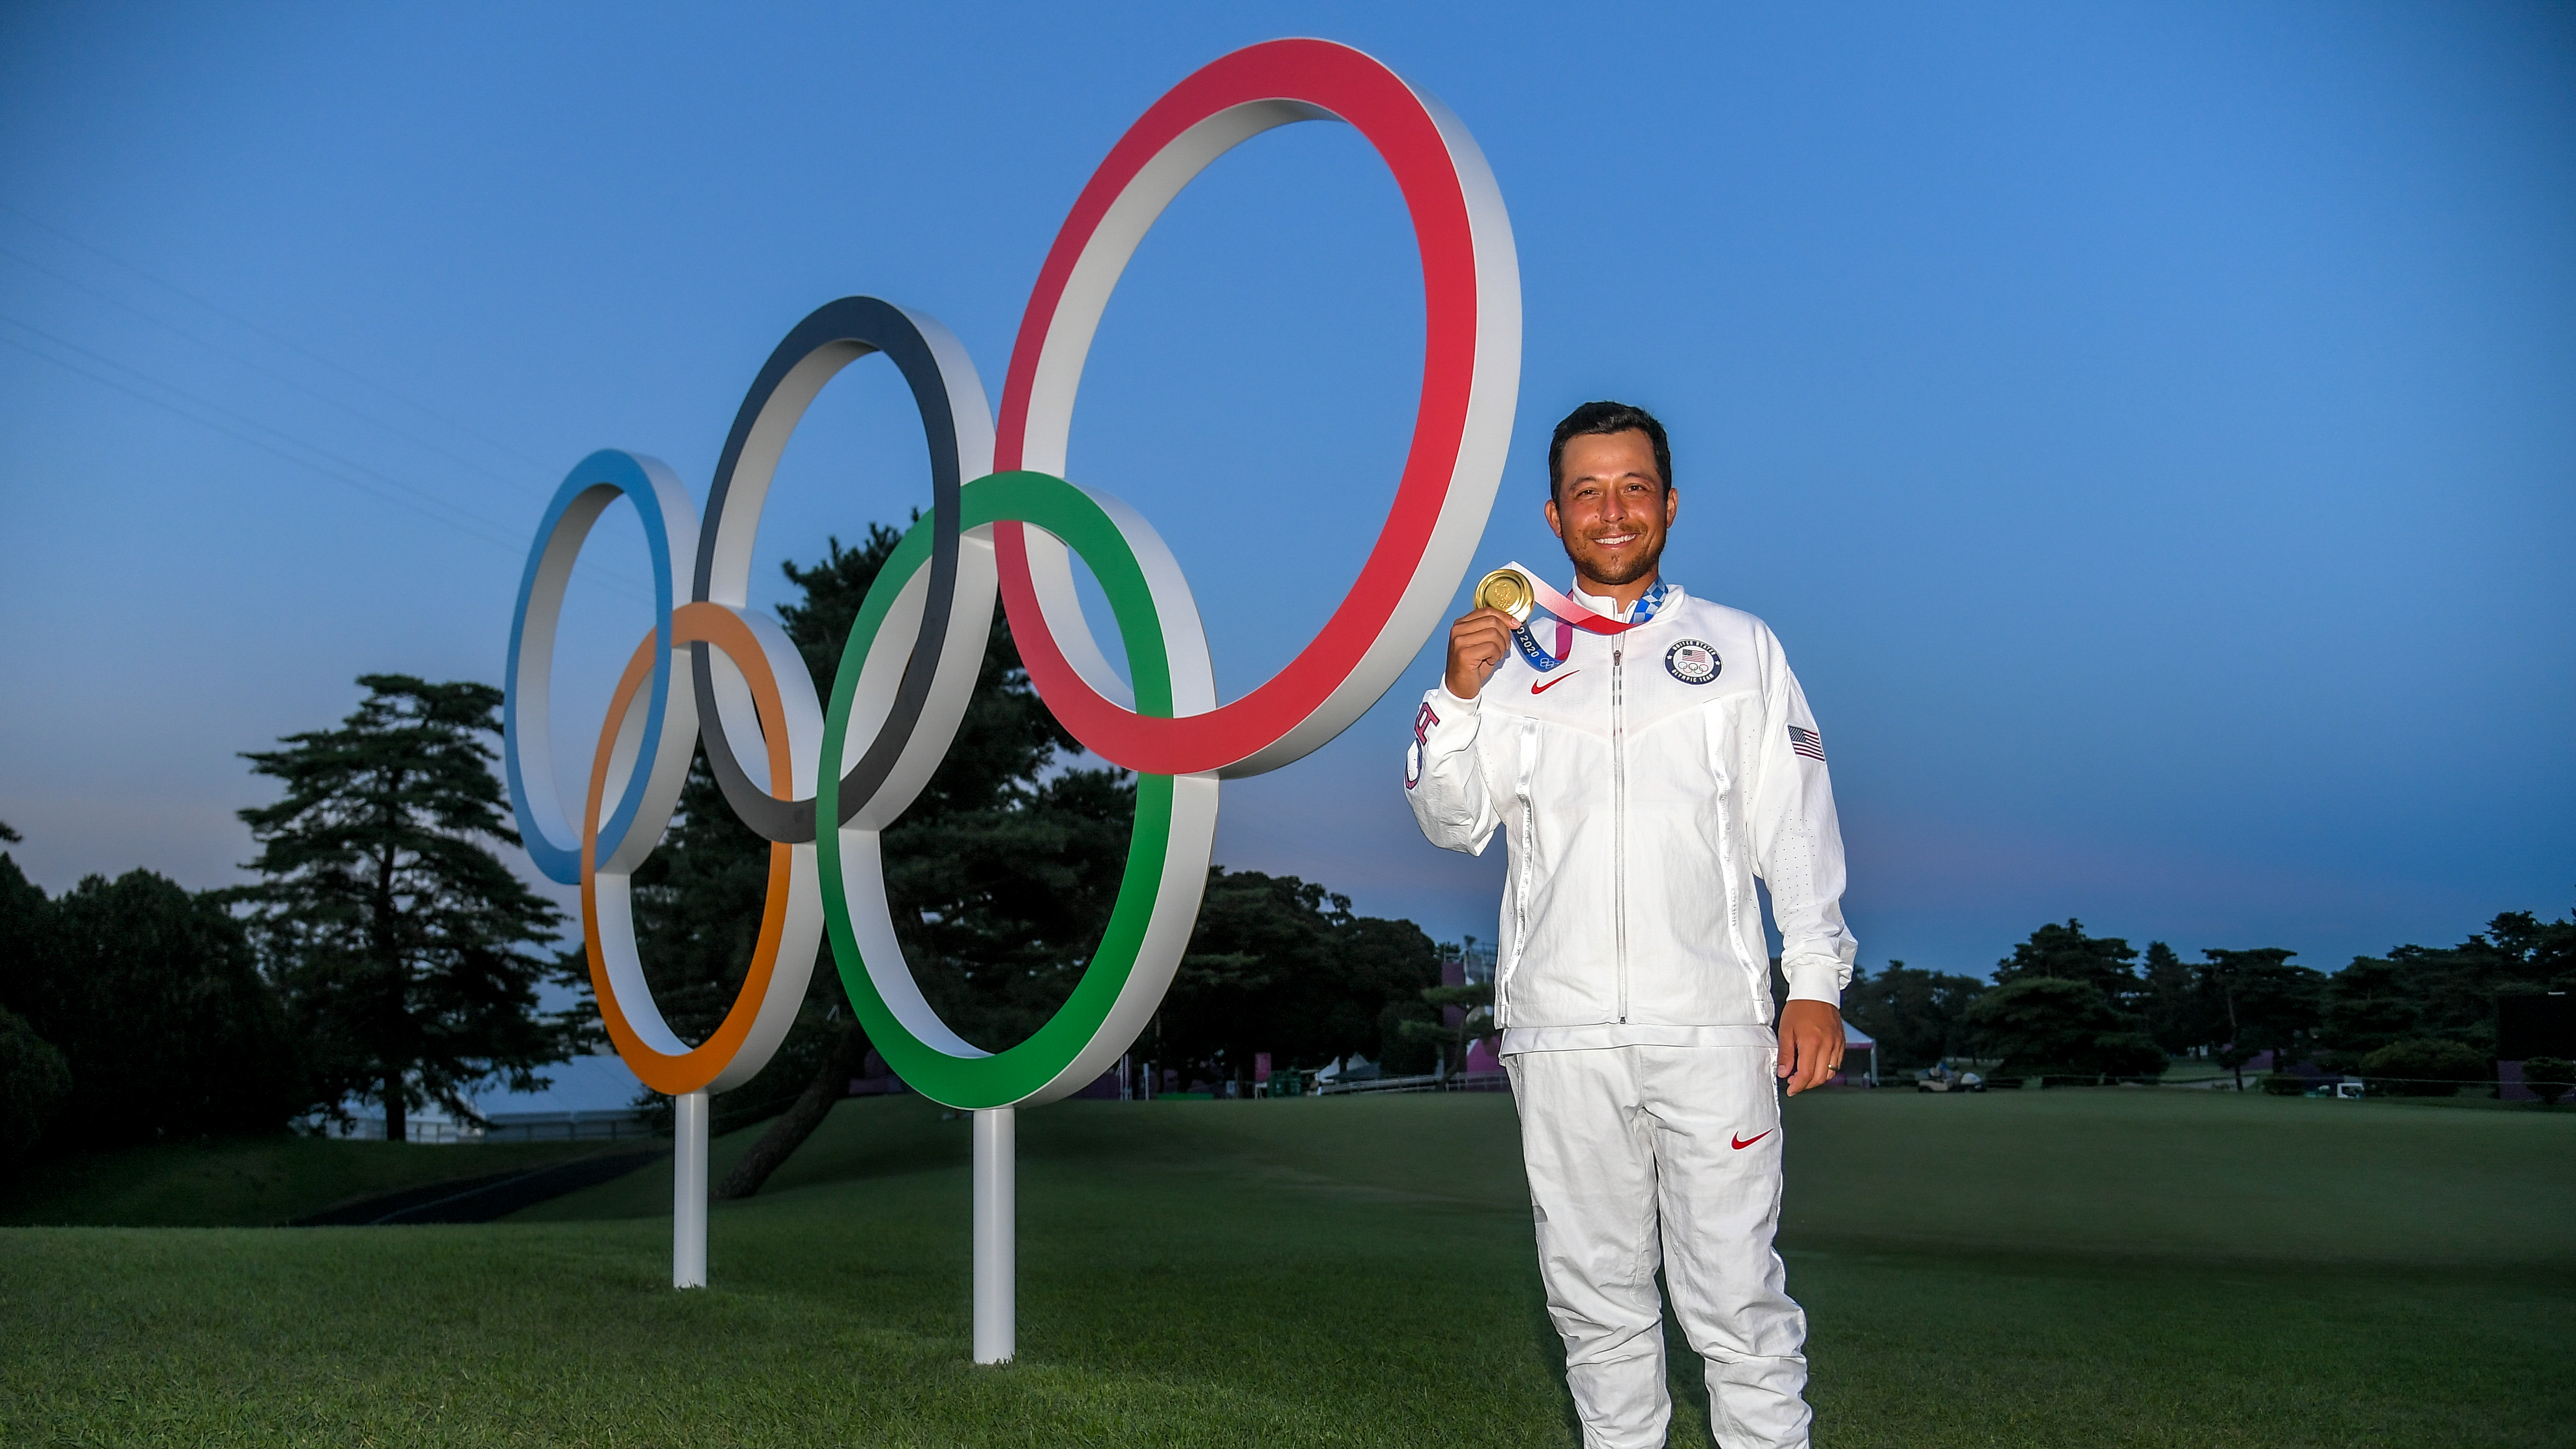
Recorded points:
(2276, 1083)
(1455, 1082)
(617, 1125)
(2253, 1082)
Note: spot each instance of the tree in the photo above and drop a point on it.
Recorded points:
(998, 910)
(2424, 1067)
(2368, 1005)
(2051, 1026)
(154, 1002)
(2549, 1078)
(1283, 965)
(1474, 1005)
(2065, 953)
(2271, 1005)
(2184, 1012)
(2537, 954)
(1000, 875)
(845, 1054)
(34, 1080)
(2065, 1003)
(399, 940)
(1002, 906)
(2447, 992)
(1917, 1017)
(1388, 959)
(26, 920)
(1257, 939)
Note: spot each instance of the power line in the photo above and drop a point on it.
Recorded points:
(468, 524)
(423, 495)
(239, 436)
(265, 371)
(237, 319)
(479, 525)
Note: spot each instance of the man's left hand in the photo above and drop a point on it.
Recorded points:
(1811, 1044)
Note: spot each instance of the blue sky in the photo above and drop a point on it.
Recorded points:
(2152, 428)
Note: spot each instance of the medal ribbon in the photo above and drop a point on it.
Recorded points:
(1571, 615)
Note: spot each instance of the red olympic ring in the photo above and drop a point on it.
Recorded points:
(1470, 374)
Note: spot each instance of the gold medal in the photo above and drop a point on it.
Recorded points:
(1508, 590)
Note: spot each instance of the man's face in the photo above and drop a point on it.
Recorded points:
(1613, 510)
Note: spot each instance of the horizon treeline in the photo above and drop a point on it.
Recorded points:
(2068, 1003)
(386, 953)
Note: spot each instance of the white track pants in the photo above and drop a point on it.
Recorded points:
(1639, 1155)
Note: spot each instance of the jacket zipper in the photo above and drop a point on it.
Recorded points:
(1520, 905)
(1619, 823)
(1503, 970)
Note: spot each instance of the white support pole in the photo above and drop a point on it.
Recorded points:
(996, 1237)
(689, 1190)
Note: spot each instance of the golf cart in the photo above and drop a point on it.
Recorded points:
(1941, 1079)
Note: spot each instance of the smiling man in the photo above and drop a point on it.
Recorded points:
(1648, 763)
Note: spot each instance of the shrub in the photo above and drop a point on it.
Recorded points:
(2424, 1067)
(2284, 1084)
(2549, 1078)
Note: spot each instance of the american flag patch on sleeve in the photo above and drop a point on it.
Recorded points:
(1807, 742)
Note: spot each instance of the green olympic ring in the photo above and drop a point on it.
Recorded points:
(1080, 1040)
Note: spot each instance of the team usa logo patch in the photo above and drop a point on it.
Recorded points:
(1693, 661)
(1423, 720)
(1808, 743)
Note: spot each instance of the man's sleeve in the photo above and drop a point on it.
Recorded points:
(1797, 841)
(1444, 775)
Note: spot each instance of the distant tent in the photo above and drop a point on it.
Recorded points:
(1856, 1040)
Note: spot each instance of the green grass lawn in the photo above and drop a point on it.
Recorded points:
(2061, 1268)
(257, 1183)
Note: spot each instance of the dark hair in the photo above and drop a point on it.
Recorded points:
(1605, 418)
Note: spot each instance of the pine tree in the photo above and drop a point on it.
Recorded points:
(1917, 1017)
(2067, 954)
(1281, 965)
(1474, 1004)
(2270, 1004)
(399, 940)
(2045, 1026)
(2185, 1010)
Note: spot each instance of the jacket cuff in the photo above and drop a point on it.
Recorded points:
(1446, 703)
(1447, 724)
(1815, 978)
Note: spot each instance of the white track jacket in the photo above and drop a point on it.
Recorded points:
(1642, 786)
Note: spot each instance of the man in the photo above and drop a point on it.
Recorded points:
(1648, 757)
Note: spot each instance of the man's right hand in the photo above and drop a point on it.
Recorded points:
(1478, 645)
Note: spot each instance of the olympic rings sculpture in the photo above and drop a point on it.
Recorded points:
(829, 776)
